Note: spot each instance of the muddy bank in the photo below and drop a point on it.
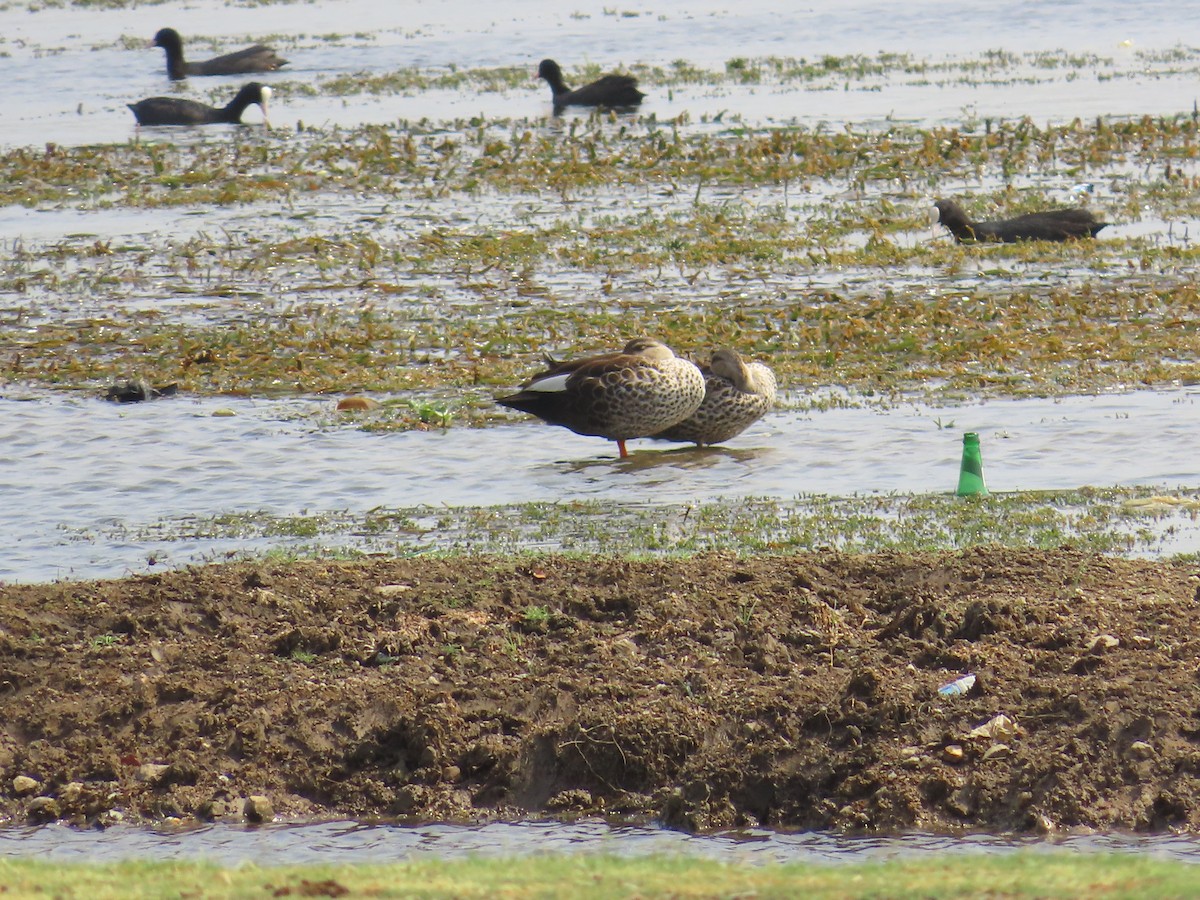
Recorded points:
(714, 691)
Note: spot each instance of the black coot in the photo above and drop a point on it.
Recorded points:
(1051, 225)
(258, 58)
(176, 111)
(610, 91)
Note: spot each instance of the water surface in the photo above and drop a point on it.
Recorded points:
(85, 479)
(333, 843)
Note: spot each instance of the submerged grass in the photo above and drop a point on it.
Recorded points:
(1126, 521)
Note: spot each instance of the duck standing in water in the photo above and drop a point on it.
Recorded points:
(1050, 225)
(178, 111)
(258, 58)
(736, 395)
(639, 391)
(609, 91)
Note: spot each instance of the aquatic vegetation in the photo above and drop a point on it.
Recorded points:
(431, 261)
(1138, 521)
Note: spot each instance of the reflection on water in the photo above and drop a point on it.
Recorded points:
(83, 479)
(660, 463)
(351, 842)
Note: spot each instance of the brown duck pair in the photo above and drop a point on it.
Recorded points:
(645, 390)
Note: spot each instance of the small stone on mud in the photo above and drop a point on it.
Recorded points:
(151, 773)
(953, 753)
(23, 785)
(258, 808)
(391, 590)
(1102, 642)
(572, 799)
(212, 809)
(357, 404)
(451, 773)
(1141, 750)
(1000, 726)
(43, 809)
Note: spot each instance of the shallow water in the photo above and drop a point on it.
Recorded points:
(86, 481)
(332, 843)
(70, 71)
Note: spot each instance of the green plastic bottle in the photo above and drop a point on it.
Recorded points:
(970, 474)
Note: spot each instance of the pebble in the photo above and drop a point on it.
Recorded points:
(211, 809)
(391, 590)
(953, 752)
(1000, 726)
(43, 809)
(258, 808)
(151, 773)
(1141, 750)
(359, 404)
(1102, 642)
(23, 785)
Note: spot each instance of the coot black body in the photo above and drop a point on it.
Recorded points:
(178, 111)
(1050, 225)
(609, 91)
(258, 58)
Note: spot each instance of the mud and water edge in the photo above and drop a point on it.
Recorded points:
(712, 691)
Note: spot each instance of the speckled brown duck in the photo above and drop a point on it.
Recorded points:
(258, 58)
(1050, 225)
(609, 91)
(736, 395)
(639, 391)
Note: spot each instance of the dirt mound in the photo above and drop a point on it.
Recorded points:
(713, 691)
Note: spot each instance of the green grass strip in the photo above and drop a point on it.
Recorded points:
(1020, 875)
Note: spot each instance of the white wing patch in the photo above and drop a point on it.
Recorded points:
(553, 384)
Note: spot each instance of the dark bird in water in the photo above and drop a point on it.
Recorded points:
(176, 111)
(736, 395)
(138, 390)
(1050, 225)
(610, 91)
(639, 391)
(258, 58)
